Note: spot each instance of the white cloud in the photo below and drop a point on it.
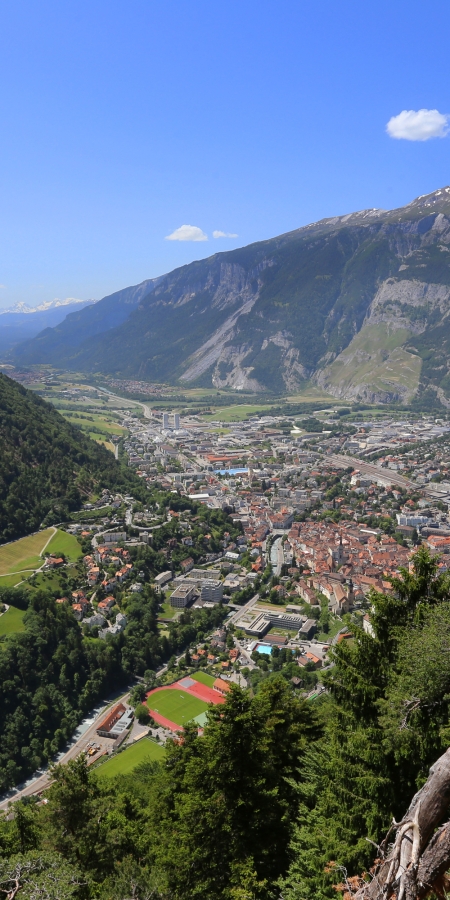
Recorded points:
(422, 125)
(227, 234)
(3, 287)
(187, 233)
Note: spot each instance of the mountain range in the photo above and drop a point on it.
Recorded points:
(22, 322)
(358, 303)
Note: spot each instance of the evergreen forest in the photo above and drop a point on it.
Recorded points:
(48, 467)
(280, 797)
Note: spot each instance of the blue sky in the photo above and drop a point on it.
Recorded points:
(121, 122)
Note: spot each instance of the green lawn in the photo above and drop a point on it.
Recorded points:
(335, 627)
(7, 581)
(66, 544)
(12, 621)
(23, 554)
(203, 678)
(167, 611)
(176, 705)
(125, 762)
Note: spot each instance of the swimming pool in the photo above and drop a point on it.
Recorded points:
(230, 471)
(264, 648)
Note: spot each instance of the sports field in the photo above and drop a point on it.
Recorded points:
(25, 553)
(142, 751)
(176, 705)
(204, 678)
(12, 621)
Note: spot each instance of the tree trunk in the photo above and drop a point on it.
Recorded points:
(418, 859)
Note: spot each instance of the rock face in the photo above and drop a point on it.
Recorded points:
(376, 366)
(351, 302)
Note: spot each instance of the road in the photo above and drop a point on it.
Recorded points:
(147, 411)
(277, 556)
(43, 781)
(39, 784)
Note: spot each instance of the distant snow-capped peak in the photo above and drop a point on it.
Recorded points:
(47, 304)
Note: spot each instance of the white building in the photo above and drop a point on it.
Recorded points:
(212, 591)
(183, 595)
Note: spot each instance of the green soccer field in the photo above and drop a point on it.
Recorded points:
(204, 678)
(176, 705)
(142, 751)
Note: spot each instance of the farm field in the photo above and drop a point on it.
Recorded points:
(204, 678)
(23, 554)
(234, 413)
(67, 544)
(12, 621)
(97, 423)
(176, 705)
(142, 751)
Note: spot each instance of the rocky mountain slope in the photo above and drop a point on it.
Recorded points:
(359, 303)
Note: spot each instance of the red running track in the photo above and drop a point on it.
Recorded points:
(202, 691)
(205, 693)
(166, 723)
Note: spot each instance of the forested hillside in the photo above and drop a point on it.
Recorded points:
(48, 467)
(279, 797)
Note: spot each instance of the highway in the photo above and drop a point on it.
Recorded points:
(147, 411)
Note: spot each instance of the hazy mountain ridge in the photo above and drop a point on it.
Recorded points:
(22, 322)
(346, 301)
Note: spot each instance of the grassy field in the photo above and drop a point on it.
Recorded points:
(167, 611)
(49, 580)
(335, 627)
(97, 423)
(234, 413)
(204, 678)
(176, 705)
(109, 446)
(7, 581)
(142, 751)
(66, 544)
(12, 621)
(23, 554)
